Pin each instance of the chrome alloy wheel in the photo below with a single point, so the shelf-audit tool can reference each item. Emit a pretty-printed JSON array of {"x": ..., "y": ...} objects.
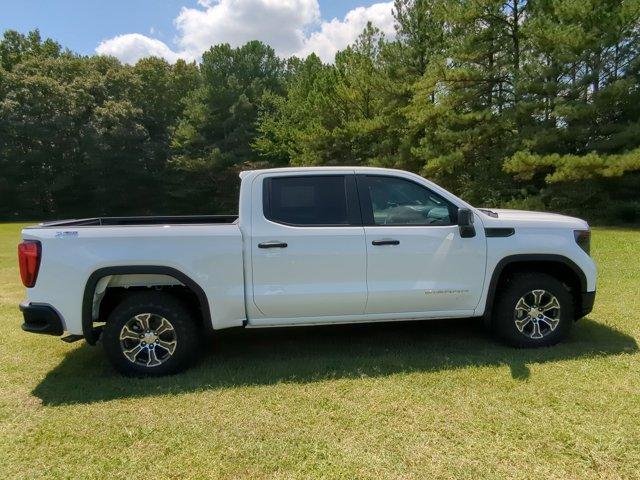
[
  {"x": 537, "y": 314},
  {"x": 148, "y": 340}
]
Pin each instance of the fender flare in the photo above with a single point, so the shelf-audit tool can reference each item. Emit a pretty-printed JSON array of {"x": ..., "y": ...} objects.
[
  {"x": 90, "y": 334},
  {"x": 528, "y": 257}
]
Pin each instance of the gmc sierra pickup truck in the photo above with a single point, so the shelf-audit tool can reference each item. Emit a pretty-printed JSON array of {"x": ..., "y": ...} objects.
[{"x": 310, "y": 246}]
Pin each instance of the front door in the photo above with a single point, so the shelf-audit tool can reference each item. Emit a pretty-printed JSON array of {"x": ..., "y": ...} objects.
[
  {"x": 308, "y": 250},
  {"x": 417, "y": 261}
]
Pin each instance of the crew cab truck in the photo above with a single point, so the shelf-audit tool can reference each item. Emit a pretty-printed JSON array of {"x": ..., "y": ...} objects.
[{"x": 310, "y": 246}]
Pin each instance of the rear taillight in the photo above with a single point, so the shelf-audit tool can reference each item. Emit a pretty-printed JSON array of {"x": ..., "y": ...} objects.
[
  {"x": 29, "y": 253},
  {"x": 583, "y": 239}
]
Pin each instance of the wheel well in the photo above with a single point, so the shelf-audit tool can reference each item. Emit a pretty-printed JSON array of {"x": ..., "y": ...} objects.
[
  {"x": 113, "y": 296},
  {"x": 561, "y": 270},
  {"x": 107, "y": 286}
]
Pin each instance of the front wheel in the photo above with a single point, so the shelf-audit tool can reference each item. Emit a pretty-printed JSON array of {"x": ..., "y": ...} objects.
[
  {"x": 150, "y": 334},
  {"x": 533, "y": 310}
]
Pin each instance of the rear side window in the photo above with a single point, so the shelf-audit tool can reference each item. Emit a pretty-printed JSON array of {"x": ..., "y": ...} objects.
[{"x": 312, "y": 200}]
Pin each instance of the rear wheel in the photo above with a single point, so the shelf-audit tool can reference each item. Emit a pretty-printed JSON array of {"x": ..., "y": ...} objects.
[
  {"x": 533, "y": 310},
  {"x": 150, "y": 334}
]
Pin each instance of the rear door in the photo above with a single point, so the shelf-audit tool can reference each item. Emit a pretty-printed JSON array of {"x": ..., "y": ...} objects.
[
  {"x": 417, "y": 261},
  {"x": 308, "y": 250}
]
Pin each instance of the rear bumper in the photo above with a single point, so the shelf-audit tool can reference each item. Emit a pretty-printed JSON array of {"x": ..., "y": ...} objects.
[
  {"x": 41, "y": 319},
  {"x": 586, "y": 303}
]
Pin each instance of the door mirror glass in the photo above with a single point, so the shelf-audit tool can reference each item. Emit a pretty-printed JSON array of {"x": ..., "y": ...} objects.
[{"x": 465, "y": 222}]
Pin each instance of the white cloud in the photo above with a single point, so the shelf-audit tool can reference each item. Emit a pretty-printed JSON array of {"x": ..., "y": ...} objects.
[
  {"x": 291, "y": 27},
  {"x": 338, "y": 34},
  {"x": 132, "y": 47},
  {"x": 279, "y": 23}
]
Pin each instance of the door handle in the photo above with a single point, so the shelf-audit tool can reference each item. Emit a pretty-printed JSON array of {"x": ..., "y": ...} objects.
[
  {"x": 385, "y": 242},
  {"x": 272, "y": 245}
]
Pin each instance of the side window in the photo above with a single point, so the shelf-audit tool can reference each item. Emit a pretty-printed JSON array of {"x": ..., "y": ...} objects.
[
  {"x": 311, "y": 200},
  {"x": 396, "y": 201}
]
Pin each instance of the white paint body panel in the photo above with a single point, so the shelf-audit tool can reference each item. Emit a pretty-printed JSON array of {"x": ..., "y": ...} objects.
[
  {"x": 321, "y": 273},
  {"x": 325, "y": 275},
  {"x": 536, "y": 233},
  {"x": 292, "y": 282},
  {"x": 433, "y": 269},
  {"x": 211, "y": 255}
]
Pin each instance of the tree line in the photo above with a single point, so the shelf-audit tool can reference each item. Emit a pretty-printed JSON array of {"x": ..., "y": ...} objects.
[{"x": 510, "y": 103}]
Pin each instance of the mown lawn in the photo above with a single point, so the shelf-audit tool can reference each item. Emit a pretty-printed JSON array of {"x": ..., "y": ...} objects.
[{"x": 413, "y": 400}]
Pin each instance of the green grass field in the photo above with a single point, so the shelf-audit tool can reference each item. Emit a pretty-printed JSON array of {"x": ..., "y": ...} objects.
[{"x": 412, "y": 400}]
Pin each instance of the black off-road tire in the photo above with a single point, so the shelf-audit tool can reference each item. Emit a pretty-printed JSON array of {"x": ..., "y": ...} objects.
[
  {"x": 517, "y": 286},
  {"x": 185, "y": 331}
]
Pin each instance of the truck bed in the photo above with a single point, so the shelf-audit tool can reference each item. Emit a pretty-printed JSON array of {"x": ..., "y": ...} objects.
[
  {"x": 142, "y": 220},
  {"x": 206, "y": 250}
]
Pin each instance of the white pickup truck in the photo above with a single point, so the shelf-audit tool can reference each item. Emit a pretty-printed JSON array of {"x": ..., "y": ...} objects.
[{"x": 310, "y": 246}]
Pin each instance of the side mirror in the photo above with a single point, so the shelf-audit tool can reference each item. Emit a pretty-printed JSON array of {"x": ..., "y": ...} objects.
[{"x": 465, "y": 223}]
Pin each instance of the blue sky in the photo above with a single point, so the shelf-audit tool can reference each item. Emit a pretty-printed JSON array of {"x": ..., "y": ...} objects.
[{"x": 129, "y": 29}]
